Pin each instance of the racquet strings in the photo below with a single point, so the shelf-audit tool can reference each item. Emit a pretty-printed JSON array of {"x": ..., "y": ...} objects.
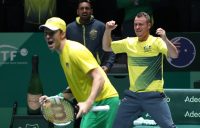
[{"x": 58, "y": 111}]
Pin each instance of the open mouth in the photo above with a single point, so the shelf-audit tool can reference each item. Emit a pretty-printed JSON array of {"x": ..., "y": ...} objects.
[
  {"x": 50, "y": 42},
  {"x": 84, "y": 15}
]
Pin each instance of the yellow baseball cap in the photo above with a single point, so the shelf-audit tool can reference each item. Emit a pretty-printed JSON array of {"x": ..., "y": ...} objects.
[{"x": 54, "y": 24}]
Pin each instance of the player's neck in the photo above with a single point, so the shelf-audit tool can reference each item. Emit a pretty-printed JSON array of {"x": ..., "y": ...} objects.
[
  {"x": 84, "y": 21},
  {"x": 143, "y": 38},
  {"x": 62, "y": 44}
]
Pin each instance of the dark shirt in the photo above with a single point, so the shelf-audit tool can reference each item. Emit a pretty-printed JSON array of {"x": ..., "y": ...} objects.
[{"x": 91, "y": 36}]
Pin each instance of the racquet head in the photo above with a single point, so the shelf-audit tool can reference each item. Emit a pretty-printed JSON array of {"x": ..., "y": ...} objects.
[{"x": 58, "y": 111}]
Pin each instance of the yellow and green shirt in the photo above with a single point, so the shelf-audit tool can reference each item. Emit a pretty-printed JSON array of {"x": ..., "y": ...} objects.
[
  {"x": 145, "y": 62},
  {"x": 77, "y": 61}
]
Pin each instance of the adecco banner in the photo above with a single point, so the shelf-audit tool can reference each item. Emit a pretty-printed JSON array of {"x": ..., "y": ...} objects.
[
  {"x": 184, "y": 105},
  {"x": 16, "y": 50}
]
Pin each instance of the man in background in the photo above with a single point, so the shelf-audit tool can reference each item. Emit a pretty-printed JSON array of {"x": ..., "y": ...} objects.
[{"x": 89, "y": 31}]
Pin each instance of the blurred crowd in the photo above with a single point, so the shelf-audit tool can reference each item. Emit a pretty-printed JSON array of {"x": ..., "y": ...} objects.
[{"x": 27, "y": 15}]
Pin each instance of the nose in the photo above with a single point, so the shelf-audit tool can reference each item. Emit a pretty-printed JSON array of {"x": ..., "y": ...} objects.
[
  {"x": 84, "y": 10},
  {"x": 136, "y": 26},
  {"x": 47, "y": 37}
]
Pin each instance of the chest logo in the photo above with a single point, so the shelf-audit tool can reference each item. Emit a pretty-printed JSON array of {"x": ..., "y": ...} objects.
[
  {"x": 147, "y": 48},
  {"x": 67, "y": 65},
  {"x": 93, "y": 34}
]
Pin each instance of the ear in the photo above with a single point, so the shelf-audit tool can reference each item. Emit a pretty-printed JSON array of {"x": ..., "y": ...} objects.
[
  {"x": 149, "y": 25},
  {"x": 63, "y": 35},
  {"x": 91, "y": 11},
  {"x": 77, "y": 12}
]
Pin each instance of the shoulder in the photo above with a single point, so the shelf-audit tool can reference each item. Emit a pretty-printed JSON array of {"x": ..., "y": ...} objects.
[
  {"x": 126, "y": 41},
  {"x": 72, "y": 24},
  {"x": 77, "y": 50},
  {"x": 98, "y": 22},
  {"x": 155, "y": 39},
  {"x": 74, "y": 45},
  {"x": 131, "y": 40}
]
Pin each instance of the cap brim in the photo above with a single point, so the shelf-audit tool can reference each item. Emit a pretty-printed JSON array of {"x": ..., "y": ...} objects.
[{"x": 53, "y": 28}]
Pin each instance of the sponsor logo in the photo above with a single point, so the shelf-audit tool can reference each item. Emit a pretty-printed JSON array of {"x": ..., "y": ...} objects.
[
  {"x": 9, "y": 53},
  {"x": 31, "y": 126},
  {"x": 147, "y": 115},
  {"x": 192, "y": 114},
  {"x": 67, "y": 65},
  {"x": 192, "y": 99},
  {"x": 168, "y": 99},
  {"x": 147, "y": 48},
  {"x": 93, "y": 34}
]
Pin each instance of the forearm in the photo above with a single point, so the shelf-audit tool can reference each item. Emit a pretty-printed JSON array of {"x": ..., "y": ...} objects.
[
  {"x": 107, "y": 41},
  {"x": 97, "y": 86},
  {"x": 108, "y": 59},
  {"x": 172, "y": 50}
]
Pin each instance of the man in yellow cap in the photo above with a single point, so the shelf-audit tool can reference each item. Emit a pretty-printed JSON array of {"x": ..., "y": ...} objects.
[{"x": 87, "y": 80}]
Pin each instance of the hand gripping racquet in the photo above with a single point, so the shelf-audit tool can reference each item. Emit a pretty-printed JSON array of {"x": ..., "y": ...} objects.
[{"x": 62, "y": 112}]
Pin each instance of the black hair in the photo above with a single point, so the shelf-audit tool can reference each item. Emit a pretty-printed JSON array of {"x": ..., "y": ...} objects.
[{"x": 87, "y": 1}]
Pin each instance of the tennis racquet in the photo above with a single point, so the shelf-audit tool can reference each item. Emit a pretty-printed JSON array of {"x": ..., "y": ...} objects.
[{"x": 62, "y": 112}]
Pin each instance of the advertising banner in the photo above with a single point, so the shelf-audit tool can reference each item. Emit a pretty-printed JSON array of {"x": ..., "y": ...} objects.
[
  {"x": 16, "y": 50},
  {"x": 184, "y": 105}
]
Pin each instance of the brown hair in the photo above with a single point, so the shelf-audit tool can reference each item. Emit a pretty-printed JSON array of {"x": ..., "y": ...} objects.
[{"x": 144, "y": 14}]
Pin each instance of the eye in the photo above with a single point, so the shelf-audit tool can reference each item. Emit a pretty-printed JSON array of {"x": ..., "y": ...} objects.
[{"x": 50, "y": 33}]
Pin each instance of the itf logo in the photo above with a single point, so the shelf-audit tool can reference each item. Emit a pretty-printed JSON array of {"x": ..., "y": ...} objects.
[
  {"x": 8, "y": 53},
  {"x": 32, "y": 126},
  {"x": 187, "y": 52}
]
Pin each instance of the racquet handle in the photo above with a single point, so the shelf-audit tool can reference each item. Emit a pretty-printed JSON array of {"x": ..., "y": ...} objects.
[{"x": 100, "y": 108}]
